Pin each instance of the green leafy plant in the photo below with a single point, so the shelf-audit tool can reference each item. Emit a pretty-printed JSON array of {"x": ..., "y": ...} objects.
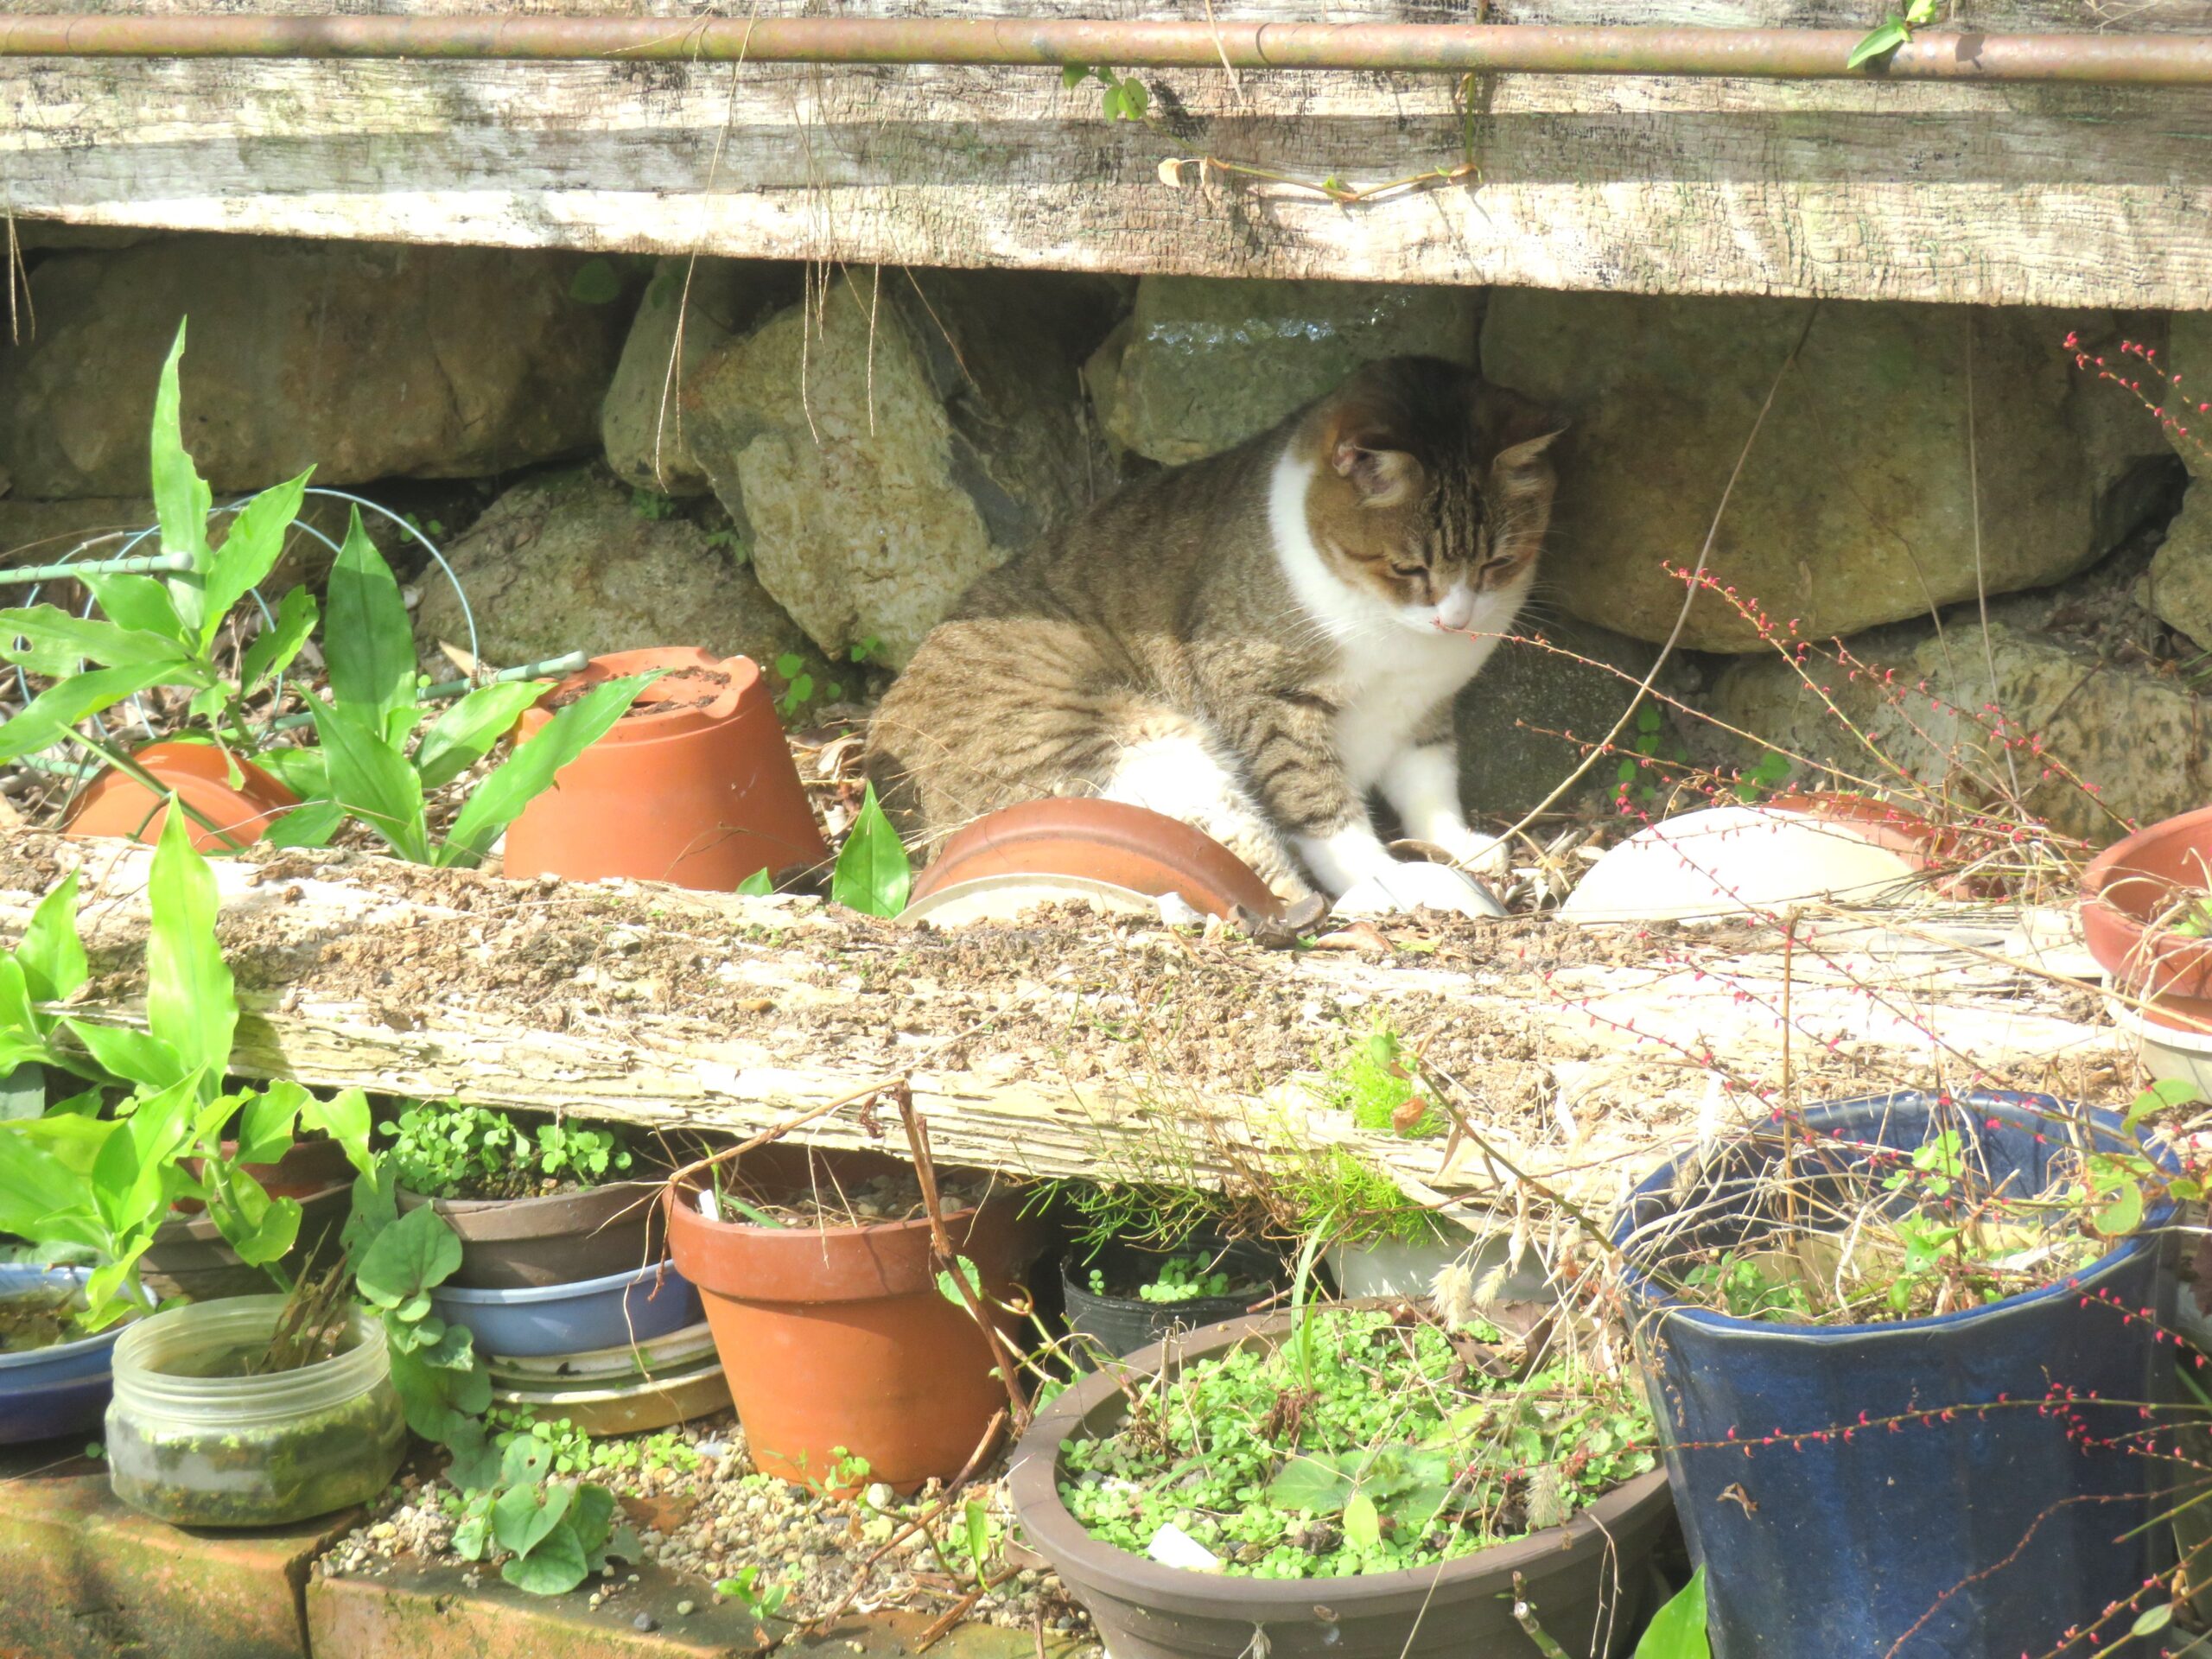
[
  {"x": 573, "y": 1451},
  {"x": 764, "y": 1599},
  {"x": 1396, "y": 1455},
  {"x": 1767, "y": 776},
  {"x": 364, "y": 768},
  {"x": 555, "y": 1533},
  {"x": 872, "y": 874},
  {"x": 652, "y": 505},
  {"x": 1653, "y": 743},
  {"x": 866, "y": 651},
  {"x": 445, "y": 1150},
  {"x": 1121, "y": 98},
  {"x": 1180, "y": 1279},
  {"x": 1935, "y": 1234},
  {"x": 399, "y": 1260},
  {"x": 1892, "y": 32},
  {"x": 1152, "y": 1215},
  {"x": 1745, "y": 1289},
  {"x": 163, "y": 630},
  {"x": 1317, "y": 1181},
  {"x": 1370, "y": 1079},
  {"x": 1677, "y": 1632},
  {"x": 799, "y": 684},
  {"x": 74, "y": 1178}
]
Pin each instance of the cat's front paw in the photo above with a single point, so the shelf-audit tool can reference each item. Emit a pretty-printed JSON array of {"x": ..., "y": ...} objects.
[{"x": 1406, "y": 888}]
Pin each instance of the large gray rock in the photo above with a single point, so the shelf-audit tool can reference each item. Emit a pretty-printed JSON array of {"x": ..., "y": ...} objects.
[
  {"x": 566, "y": 562},
  {"x": 1208, "y": 362},
  {"x": 883, "y": 453},
  {"x": 1525, "y": 721},
  {"x": 2179, "y": 586},
  {"x": 2135, "y": 735},
  {"x": 1855, "y": 507},
  {"x": 364, "y": 360},
  {"x": 716, "y": 301}
]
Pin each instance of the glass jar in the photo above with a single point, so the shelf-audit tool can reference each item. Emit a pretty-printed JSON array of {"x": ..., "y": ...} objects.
[{"x": 192, "y": 1441}]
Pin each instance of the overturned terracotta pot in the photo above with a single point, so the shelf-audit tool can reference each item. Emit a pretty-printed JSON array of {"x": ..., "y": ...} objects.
[
  {"x": 1102, "y": 841},
  {"x": 695, "y": 786},
  {"x": 199, "y": 775}
]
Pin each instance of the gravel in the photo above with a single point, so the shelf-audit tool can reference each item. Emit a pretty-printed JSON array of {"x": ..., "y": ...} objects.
[{"x": 701, "y": 1510}]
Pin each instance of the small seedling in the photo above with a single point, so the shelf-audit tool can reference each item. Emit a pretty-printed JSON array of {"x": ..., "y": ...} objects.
[
  {"x": 799, "y": 684},
  {"x": 764, "y": 1601},
  {"x": 1123, "y": 97},
  {"x": 1892, "y": 32}
]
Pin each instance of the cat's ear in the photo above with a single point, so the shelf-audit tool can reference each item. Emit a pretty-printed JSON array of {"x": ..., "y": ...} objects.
[
  {"x": 1384, "y": 478},
  {"x": 1522, "y": 428}
]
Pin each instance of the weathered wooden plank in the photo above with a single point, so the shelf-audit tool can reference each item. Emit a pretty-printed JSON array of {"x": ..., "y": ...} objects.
[
  {"x": 1088, "y": 1049},
  {"x": 2030, "y": 195}
]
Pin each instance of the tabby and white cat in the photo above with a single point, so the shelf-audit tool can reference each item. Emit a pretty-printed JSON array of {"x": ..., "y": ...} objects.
[{"x": 1252, "y": 642}]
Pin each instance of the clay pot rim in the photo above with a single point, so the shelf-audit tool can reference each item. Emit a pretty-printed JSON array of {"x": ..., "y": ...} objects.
[
  {"x": 1212, "y": 878},
  {"x": 840, "y": 1232},
  {"x": 634, "y": 728},
  {"x": 2114, "y": 865},
  {"x": 1033, "y": 1482},
  {"x": 533, "y": 1216}
]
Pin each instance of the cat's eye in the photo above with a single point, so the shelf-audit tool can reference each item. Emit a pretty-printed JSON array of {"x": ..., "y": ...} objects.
[{"x": 1407, "y": 570}]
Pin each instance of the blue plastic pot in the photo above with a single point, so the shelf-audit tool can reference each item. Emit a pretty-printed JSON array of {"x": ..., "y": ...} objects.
[
  {"x": 59, "y": 1390},
  {"x": 616, "y": 1311},
  {"x": 1991, "y": 1535}
]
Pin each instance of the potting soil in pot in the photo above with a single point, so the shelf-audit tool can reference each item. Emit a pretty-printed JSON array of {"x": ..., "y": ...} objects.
[
  {"x": 1388, "y": 1446},
  {"x": 895, "y": 1195}
]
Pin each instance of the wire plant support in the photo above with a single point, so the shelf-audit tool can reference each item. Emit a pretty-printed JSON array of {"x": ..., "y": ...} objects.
[{"x": 126, "y": 562}]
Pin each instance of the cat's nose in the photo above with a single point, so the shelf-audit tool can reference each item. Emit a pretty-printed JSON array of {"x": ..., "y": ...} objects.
[{"x": 1457, "y": 608}]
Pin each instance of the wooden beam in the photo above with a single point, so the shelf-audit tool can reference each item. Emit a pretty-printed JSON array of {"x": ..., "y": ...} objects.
[
  {"x": 2045, "y": 196},
  {"x": 1107, "y": 1050}
]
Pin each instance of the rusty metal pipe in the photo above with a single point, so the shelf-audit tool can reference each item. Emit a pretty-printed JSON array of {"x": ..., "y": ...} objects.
[{"x": 1446, "y": 48}]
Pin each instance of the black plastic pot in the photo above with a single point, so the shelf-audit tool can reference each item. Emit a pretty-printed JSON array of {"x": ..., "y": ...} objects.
[
  {"x": 1587, "y": 1581},
  {"x": 1985, "y": 1534},
  {"x": 559, "y": 1239},
  {"x": 189, "y": 1259},
  {"x": 1122, "y": 1324}
]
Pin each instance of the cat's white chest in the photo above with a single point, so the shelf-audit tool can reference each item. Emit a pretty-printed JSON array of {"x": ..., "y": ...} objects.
[
  {"x": 1391, "y": 687},
  {"x": 1389, "y": 676}
]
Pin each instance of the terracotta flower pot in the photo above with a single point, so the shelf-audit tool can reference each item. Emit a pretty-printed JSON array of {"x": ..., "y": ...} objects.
[
  {"x": 1104, "y": 840},
  {"x": 695, "y": 786},
  {"x": 188, "y": 1257},
  {"x": 306, "y": 1167},
  {"x": 2132, "y": 888},
  {"x": 199, "y": 776},
  {"x": 837, "y": 1337}
]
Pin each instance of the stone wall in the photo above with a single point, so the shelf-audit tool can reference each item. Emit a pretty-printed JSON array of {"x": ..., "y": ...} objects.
[{"x": 801, "y": 465}]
